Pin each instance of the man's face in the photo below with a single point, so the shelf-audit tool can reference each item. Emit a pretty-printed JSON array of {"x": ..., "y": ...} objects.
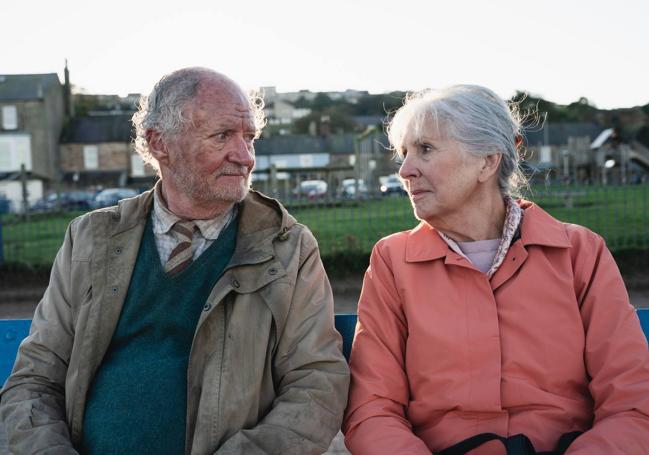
[{"x": 212, "y": 158}]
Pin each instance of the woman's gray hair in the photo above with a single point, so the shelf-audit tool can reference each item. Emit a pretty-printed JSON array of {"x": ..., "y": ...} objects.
[
  {"x": 472, "y": 115},
  {"x": 164, "y": 109}
]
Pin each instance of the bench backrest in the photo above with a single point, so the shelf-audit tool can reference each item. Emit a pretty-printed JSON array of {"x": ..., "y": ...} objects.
[{"x": 13, "y": 331}]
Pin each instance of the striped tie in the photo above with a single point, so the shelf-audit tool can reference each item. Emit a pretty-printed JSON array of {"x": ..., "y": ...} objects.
[{"x": 181, "y": 256}]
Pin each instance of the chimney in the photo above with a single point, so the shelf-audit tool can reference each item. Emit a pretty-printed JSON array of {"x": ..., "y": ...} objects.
[{"x": 67, "y": 92}]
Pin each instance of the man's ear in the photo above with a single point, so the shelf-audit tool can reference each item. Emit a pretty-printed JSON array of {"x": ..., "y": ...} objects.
[
  {"x": 157, "y": 146},
  {"x": 490, "y": 166}
]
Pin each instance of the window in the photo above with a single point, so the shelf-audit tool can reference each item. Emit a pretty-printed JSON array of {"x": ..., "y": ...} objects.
[
  {"x": 306, "y": 160},
  {"x": 15, "y": 149},
  {"x": 9, "y": 117},
  {"x": 90, "y": 157},
  {"x": 546, "y": 154},
  {"x": 137, "y": 166}
]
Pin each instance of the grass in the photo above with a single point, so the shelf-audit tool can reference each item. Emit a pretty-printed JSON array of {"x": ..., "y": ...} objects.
[
  {"x": 356, "y": 226},
  {"x": 619, "y": 214},
  {"x": 348, "y": 230},
  {"x": 35, "y": 241}
]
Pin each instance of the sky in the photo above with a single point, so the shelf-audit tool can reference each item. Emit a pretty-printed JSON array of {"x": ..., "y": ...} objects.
[{"x": 560, "y": 50}]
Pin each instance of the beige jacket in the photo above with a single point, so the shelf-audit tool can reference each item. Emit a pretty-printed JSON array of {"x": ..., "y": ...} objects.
[{"x": 266, "y": 373}]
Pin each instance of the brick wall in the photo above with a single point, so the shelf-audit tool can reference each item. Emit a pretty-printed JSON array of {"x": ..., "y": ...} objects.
[{"x": 113, "y": 156}]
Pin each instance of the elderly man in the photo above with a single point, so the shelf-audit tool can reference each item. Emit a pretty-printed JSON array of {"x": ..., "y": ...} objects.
[{"x": 196, "y": 318}]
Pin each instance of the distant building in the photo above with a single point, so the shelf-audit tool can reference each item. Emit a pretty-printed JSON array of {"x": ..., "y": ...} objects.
[
  {"x": 288, "y": 160},
  {"x": 561, "y": 150},
  {"x": 98, "y": 150},
  {"x": 280, "y": 112},
  {"x": 585, "y": 153},
  {"x": 32, "y": 113},
  {"x": 618, "y": 161}
]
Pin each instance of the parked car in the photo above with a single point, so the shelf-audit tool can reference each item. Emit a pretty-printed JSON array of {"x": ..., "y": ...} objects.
[
  {"x": 311, "y": 189},
  {"x": 347, "y": 189},
  {"x": 111, "y": 196},
  {"x": 391, "y": 185},
  {"x": 67, "y": 200}
]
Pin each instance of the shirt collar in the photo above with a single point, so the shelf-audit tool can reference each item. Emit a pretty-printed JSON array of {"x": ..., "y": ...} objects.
[
  {"x": 513, "y": 215},
  {"x": 421, "y": 246},
  {"x": 164, "y": 219}
]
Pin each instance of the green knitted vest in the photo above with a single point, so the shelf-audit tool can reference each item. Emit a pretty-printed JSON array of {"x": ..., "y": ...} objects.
[{"x": 137, "y": 402}]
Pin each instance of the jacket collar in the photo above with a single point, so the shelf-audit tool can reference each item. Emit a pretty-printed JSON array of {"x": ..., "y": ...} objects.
[
  {"x": 425, "y": 244},
  {"x": 537, "y": 228},
  {"x": 261, "y": 220}
]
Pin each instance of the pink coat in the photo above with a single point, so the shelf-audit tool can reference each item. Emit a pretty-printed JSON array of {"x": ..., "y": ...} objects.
[{"x": 549, "y": 345}]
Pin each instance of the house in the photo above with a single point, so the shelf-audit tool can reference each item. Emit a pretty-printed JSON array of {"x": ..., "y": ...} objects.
[
  {"x": 284, "y": 161},
  {"x": 32, "y": 113},
  {"x": 586, "y": 153},
  {"x": 562, "y": 149},
  {"x": 97, "y": 151},
  {"x": 279, "y": 112},
  {"x": 619, "y": 161}
]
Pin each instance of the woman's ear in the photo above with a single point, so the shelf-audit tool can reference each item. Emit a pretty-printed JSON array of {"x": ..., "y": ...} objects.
[
  {"x": 157, "y": 146},
  {"x": 490, "y": 166}
]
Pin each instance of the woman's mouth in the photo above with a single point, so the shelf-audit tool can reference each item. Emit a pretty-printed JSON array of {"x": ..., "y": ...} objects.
[{"x": 417, "y": 194}]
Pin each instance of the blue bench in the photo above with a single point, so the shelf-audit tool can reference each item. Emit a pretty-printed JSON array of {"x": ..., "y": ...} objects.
[{"x": 12, "y": 332}]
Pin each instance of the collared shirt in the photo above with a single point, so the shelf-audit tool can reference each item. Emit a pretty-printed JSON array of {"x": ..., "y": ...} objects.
[
  {"x": 513, "y": 216},
  {"x": 164, "y": 219}
]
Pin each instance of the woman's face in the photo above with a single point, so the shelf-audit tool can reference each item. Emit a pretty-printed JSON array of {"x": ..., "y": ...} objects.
[{"x": 438, "y": 174}]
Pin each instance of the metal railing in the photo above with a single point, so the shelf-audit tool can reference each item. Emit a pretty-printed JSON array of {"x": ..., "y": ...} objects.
[{"x": 344, "y": 225}]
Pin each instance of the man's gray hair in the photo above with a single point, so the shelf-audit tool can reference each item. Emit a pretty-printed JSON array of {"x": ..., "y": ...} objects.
[
  {"x": 164, "y": 109},
  {"x": 472, "y": 115}
]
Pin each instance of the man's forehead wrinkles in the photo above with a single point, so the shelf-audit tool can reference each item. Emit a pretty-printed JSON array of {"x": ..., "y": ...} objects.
[
  {"x": 206, "y": 115},
  {"x": 226, "y": 122}
]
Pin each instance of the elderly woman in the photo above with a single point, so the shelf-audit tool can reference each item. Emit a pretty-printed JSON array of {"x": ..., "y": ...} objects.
[{"x": 491, "y": 324}]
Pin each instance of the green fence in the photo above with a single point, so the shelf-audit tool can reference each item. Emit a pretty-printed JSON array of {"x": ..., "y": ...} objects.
[{"x": 619, "y": 213}]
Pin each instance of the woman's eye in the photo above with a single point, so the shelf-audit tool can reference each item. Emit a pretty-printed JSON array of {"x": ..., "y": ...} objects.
[{"x": 426, "y": 148}]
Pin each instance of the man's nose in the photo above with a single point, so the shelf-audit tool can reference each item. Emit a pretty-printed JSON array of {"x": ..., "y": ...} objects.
[{"x": 242, "y": 152}]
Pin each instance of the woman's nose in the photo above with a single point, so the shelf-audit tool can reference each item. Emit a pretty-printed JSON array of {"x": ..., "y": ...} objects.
[{"x": 408, "y": 169}]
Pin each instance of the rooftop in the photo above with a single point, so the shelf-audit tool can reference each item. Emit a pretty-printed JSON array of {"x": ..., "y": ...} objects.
[{"x": 24, "y": 87}]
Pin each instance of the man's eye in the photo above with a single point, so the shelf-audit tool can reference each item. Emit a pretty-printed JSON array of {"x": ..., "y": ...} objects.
[{"x": 221, "y": 136}]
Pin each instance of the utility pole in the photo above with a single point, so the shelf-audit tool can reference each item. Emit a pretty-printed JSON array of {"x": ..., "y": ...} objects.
[
  {"x": 25, "y": 193},
  {"x": 272, "y": 177}
]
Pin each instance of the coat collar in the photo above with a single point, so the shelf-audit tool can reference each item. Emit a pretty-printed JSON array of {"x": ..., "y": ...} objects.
[
  {"x": 537, "y": 228},
  {"x": 261, "y": 220}
]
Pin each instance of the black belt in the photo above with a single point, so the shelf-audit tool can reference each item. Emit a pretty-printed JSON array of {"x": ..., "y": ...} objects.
[{"x": 519, "y": 444}]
